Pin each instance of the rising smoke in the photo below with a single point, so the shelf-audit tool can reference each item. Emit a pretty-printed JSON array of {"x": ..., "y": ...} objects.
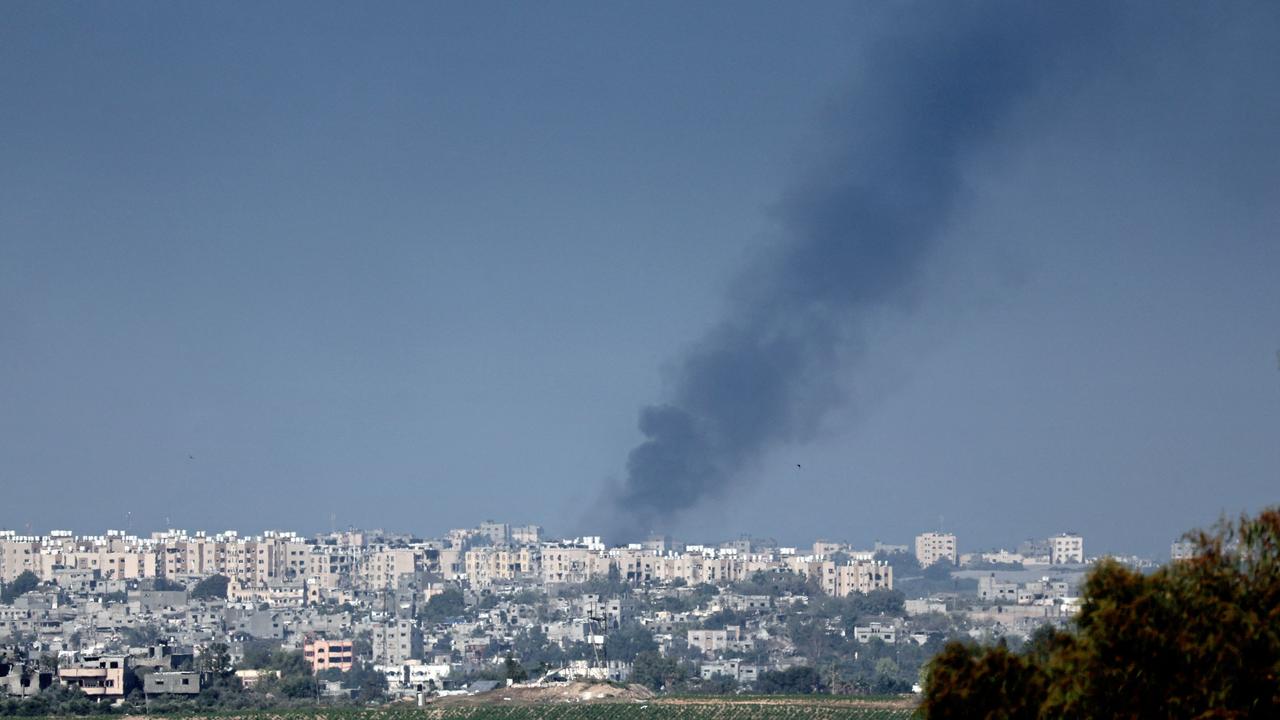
[{"x": 857, "y": 228}]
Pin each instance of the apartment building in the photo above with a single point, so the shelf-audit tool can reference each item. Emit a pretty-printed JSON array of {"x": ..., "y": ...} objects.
[
  {"x": 19, "y": 554},
  {"x": 526, "y": 534},
  {"x": 396, "y": 643},
  {"x": 487, "y": 565},
  {"x": 932, "y": 547},
  {"x": 567, "y": 563},
  {"x": 497, "y": 533},
  {"x": 383, "y": 568},
  {"x": 1066, "y": 548},
  {"x": 327, "y": 654},
  {"x": 841, "y": 580}
]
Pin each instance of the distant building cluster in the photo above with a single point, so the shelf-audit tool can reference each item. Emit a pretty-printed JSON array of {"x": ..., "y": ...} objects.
[
  {"x": 285, "y": 569},
  {"x": 121, "y": 611}
]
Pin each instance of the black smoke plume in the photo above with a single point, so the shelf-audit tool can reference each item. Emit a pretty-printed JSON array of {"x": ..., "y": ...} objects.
[{"x": 856, "y": 229}]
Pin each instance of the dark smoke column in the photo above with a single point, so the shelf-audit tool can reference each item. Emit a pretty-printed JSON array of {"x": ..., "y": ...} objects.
[{"x": 856, "y": 231}]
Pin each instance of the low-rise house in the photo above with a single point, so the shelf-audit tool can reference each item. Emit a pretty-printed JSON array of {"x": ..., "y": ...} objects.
[
  {"x": 730, "y": 639},
  {"x": 924, "y": 606},
  {"x": 611, "y": 671},
  {"x": 176, "y": 682},
  {"x": 883, "y": 631},
  {"x": 743, "y": 603},
  {"x": 159, "y": 658},
  {"x": 736, "y": 669},
  {"x": 415, "y": 676},
  {"x": 991, "y": 589},
  {"x": 251, "y": 677},
  {"x": 155, "y": 600}
]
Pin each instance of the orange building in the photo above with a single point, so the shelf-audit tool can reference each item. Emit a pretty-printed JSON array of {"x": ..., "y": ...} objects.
[{"x": 326, "y": 654}]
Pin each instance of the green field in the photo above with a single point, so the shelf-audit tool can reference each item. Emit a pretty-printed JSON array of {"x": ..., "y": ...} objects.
[{"x": 701, "y": 709}]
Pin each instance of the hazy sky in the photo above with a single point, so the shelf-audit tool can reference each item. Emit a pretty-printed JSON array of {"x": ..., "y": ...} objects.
[{"x": 418, "y": 265}]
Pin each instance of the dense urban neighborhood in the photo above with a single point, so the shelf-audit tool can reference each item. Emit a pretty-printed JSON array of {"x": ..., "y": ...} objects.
[{"x": 356, "y": 616}]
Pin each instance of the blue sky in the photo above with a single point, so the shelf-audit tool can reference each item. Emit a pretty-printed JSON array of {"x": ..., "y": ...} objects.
[{"x": 418, "y": 265}]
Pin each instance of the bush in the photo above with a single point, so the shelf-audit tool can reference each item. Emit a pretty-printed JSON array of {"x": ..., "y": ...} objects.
[{"x": 801, "y": 680}]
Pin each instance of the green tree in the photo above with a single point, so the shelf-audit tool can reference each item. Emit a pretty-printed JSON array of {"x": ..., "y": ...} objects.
[
  {"x": 656, "y": 672},
  {"x": 716, "y": 685},
  {"x": 877, "y": 602},
  {"x": 216, "y": 660},
  {"x": 21, "y": 585},
  {"x": 1197, "y": 638},
  {"x": 513, "y": 670},
  {"x": 718, "y": 620},
  {"x": 214, "y": 586},
  {"x": 443, "y": 606},
  {"x": 802, "y": 680},
  {"x": 628, "y": 641},
  {"x": 161, "y": 583}
]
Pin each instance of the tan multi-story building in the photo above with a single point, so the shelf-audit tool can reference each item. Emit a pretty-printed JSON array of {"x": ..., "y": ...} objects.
[
  {"x": 637, "y": 565},
  {"x": 396, "y": 643},
  {"x": 97, "y": 676},
  {"x": 111, "y": 562},
  {"x": 1066, "y": 548},
  {"x": 861, "y": 576},
  {"x": 497, "y": 533},
  {"x": 383, "y": 568},
  {"x": 526, "y": 534},
  {"x": 276, "y": 593},
  {"x": 567, "y": 564},
  {"x": 331, "y": 565},
  {"x": 487, "y": 565},
  {"x": 695, "y": 568},
  {"x": 825, "y": 548},
  {"x": 932, "y": 547},
  {"x": 19, "y": 554}
]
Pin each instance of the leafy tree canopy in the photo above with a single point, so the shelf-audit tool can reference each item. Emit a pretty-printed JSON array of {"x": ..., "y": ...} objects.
[
  {"x": 214, "y": 586},
  {"x": 801, "y": 680},
  {"x": 447, "y": 604},
  {"x": 21, "y": 585},
  {"x": 1197, "y": 638},
  {"x": 629, "y": 641}
]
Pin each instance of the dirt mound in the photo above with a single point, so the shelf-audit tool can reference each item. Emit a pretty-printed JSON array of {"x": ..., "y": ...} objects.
[{"x": 572, "y": 692}]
